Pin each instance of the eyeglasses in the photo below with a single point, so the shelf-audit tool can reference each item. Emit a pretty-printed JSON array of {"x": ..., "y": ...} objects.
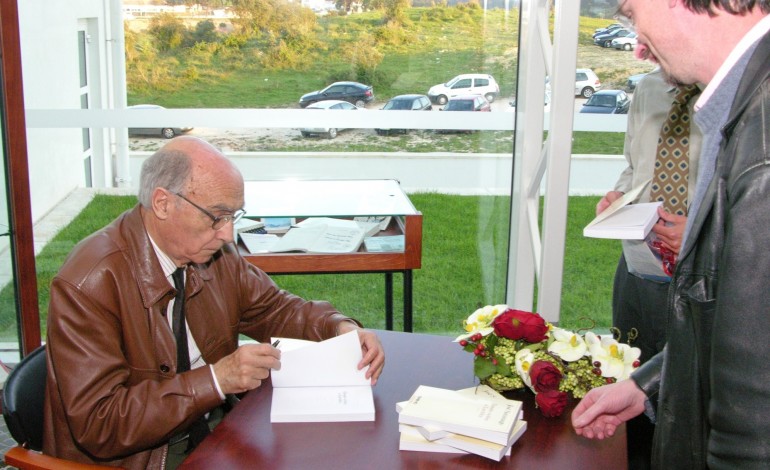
[
  {"x": 624, "y": 20},
  {"x": 217, "y": 222}
]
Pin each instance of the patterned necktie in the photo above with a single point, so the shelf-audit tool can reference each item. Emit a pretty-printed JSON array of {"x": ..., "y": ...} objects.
[
  {"x": 199, "y": 429},
  {"x": 669, "y": 182}
]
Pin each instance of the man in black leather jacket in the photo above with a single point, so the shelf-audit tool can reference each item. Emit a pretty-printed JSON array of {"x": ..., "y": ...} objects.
[{"x": 709, "y": 390}]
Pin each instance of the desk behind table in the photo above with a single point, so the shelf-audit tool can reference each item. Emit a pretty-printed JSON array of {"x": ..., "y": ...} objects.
[{"x": 247, "y": 439}]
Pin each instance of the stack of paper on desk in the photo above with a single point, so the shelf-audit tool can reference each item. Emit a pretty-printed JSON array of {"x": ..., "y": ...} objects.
[
  {"x": 476, "y": 420},
  {"x": 320, "y": 382}
]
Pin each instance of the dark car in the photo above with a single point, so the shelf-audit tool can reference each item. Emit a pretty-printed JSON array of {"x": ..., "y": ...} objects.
[
  {"x": 633, "y": 80},
  {"x": 165, "y": 132},
  {"x": 352, "y": 92},
  {"x": 467, "y": 103},
  {"x": 606, "y": 30},
  {"x": 605, "y": 40},
  {"x": 405, "y": 103},
  {"x": 607, "y": 102}
]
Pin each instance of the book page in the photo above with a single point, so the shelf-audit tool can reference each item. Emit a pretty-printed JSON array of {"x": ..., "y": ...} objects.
[
  {"x": 321, "y": 404},
  {"x": 259, "y": 242},
  {"x": 320, "y": 238},
  {"x": 333, "y": 362},
  {"x": 624, "y": 200}
]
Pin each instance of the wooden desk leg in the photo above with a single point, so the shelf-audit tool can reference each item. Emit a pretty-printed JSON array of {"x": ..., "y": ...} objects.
[
  {"x": 389, "y": 301},
  {"x": 408, "y": 300}
]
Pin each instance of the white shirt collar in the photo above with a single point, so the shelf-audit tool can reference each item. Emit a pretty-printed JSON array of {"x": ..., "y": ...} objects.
[{"x": 754, "y": 35}]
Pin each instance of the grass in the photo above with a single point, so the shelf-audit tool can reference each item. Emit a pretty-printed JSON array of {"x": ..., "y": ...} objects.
[{"x": 463, "y": 266}]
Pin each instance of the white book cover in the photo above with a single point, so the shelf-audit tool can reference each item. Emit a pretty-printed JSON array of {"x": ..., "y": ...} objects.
[
  {"x": 432, "y": 432},
  {"x": 631, "y": 222},
  {"x": 320, "y": 382},
  {"x": 489, "y": 419},
  {"x": 410, "y": 439},
  {"x": 484, "y": 448}
]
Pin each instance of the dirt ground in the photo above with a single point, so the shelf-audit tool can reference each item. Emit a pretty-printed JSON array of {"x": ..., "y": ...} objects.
[{"x": 613, "y": 67}]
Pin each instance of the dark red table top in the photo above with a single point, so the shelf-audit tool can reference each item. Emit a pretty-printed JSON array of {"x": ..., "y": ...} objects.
[{"x": 247, "y": 439}]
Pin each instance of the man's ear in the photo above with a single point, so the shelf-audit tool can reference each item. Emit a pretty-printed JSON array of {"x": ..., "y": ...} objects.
[{"x": 161, "y": 203}]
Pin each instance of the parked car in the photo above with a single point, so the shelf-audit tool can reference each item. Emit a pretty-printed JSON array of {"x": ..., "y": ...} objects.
[
  {"x": 466, "y": 84},
  {"x": 586, "y": 84},
  {"x": 352, "y": 92},
  {"x": 607, "y": 102},
  {"x": 467, "y": 103},
  {"x": 633, "y": 80},
  {"x": 329, "y": 132},
  {"x": 627, "y": 43},
  {"x": 607, "y": 29},
  {"x": 405, "y": 103},
  {"x": 605, "y": 40},
  {"x": 165, "y": 132}
]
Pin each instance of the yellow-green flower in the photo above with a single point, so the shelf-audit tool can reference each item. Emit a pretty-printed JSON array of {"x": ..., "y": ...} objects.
[
  {"x": 615, "y": 359},
  {"x": 567, "y": 345},
  {"x": 480, "y": 321}
]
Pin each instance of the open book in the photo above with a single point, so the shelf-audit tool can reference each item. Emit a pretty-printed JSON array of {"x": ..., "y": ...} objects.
[
  {"x": 623, "y": 220},
  {"x": 320, "y": 382},
  {"x": 316, "y": 238}
]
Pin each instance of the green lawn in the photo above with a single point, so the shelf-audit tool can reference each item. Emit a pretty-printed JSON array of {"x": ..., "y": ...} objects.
[{"x": 463, "y": 266}]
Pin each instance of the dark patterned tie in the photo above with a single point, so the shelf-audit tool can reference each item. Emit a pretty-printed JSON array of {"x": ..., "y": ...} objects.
[
  {"x": 199, "y": 429},
  {"x": 669, "y": 182}
]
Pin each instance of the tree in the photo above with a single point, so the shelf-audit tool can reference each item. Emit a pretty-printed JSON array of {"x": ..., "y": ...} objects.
[{"x": 168, "y": 30}]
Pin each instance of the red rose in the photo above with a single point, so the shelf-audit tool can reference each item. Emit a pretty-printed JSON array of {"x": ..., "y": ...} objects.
[
  {"x": 517, "y": 324},
  {"x": 551, "y": 403},
  {"x": 544, "y": 376}
]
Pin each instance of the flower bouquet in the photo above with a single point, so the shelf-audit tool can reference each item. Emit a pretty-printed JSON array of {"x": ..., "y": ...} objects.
[{"x": 514, "y": 349}]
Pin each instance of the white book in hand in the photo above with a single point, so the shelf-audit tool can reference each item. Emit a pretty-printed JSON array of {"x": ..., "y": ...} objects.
[
  {"x": 629, "y": 222},
  {"x": 488, "y": 419},
  {"x": 320, "y": 382},
  {"x": 320, "y": 238}
]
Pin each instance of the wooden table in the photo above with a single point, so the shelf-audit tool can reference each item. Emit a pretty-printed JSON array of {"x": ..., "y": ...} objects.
[
  {"x": 246, "y": 439},
  {"x": 342, "y": 198}
]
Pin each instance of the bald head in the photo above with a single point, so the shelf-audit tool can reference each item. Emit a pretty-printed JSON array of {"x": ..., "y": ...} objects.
[{"x": 183, "y": 164}]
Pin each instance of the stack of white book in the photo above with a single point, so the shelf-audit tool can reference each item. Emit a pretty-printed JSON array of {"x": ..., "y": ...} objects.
[{"x": 476, "y": 420}]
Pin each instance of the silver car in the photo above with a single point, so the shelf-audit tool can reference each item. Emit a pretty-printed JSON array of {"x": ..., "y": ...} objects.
[
  {"x": 165, "y": 132},
  {"x": 329, "y": 132}
]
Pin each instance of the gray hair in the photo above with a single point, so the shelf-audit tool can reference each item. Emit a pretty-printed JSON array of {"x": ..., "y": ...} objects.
[
  {"x": 734, "y": 7},
  {"x": 169, "y": 169}
]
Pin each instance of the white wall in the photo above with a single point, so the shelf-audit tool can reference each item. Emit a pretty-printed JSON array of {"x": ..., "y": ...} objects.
[{"x": 50, "y": 67}]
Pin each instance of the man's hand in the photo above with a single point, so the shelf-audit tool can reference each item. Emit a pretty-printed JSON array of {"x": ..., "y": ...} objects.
[
  {"x": 670, "y": 230},
  {"x": 608, "y": 199},
  {"x": 603, "y": 409},
  {"x": 373, "y": 354},
  {"x": 247, "y": 367}
]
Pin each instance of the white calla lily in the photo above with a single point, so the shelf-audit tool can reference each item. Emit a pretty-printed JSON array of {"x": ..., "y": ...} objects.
[
  {"x": 480, "y": 321},
  {"x": 567, "y": 345},
  {"x": 615, "y": 359},
  {"x": 523, "y": 361}
]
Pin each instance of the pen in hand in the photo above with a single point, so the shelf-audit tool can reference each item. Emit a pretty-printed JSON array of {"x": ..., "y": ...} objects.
[{"x": 275, "y": 343}]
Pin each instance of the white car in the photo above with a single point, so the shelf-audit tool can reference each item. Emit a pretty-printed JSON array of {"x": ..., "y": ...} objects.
[
  {"x": 165, "y": 132},
  {"x": 330, "y": 132},
  {"x": 466, "y": 84},
  {"x": 627, "y": 43},
  {"x": 586, "y": 84}
]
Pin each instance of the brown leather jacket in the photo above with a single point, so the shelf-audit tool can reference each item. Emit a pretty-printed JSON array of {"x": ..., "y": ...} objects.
[{"x": 113, "y": 395}]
